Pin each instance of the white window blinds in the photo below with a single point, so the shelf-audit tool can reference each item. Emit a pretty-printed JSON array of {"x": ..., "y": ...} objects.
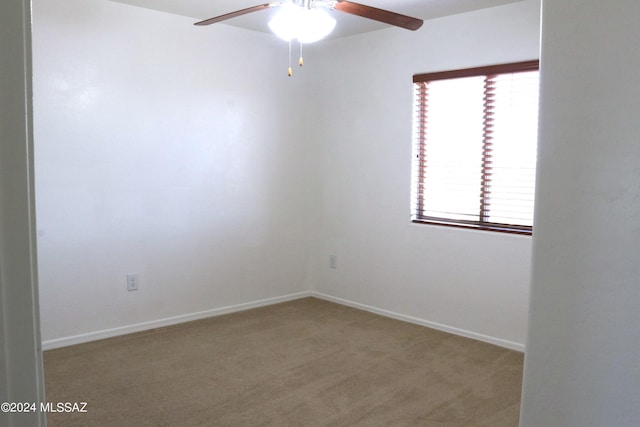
[{"x": 475, "y": 140}]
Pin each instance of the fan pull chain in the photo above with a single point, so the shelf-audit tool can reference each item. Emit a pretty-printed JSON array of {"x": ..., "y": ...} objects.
[
  {"x": 301, "y": 61},
  {"x": 290, "y": 71}
]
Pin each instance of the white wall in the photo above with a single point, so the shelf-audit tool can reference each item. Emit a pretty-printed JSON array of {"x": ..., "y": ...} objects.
[
  {"x": 21, "y": 378},
  {"x": 582, "y": 366},
  {"x": 473, "y": 281},
  {"x": 167, "y": 150}
]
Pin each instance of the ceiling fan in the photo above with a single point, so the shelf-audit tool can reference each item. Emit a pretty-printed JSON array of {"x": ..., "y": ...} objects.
[{"x": 307, "y": 21}]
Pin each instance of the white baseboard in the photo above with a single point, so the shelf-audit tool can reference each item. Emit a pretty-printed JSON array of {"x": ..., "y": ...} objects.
[
  {"x": 144, "y": 326},
  {"x": 433, "y": 325}
]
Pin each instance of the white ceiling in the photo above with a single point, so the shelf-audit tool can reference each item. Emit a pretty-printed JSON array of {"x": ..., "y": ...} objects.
[{"x": 347, "y": 25}]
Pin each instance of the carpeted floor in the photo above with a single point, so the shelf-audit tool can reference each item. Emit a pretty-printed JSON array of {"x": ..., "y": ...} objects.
[{"x": 303, "y": 363}]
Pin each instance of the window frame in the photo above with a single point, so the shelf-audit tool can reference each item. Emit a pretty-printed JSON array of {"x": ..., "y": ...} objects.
[{"x": 419, "y": 144}]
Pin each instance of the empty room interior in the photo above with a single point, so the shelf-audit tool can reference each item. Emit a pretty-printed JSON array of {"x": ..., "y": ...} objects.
[{"x": 183, "y": 161}]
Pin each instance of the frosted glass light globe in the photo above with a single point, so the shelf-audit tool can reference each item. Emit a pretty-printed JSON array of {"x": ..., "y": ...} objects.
[
  {"x": 306, "y": 25},
  {"x": 315, "y": 24},
  {"x": 285, "y": 23}
]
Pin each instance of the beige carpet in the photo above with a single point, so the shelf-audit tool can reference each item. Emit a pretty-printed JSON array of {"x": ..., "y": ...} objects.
[{"x": 302, "y": 363}]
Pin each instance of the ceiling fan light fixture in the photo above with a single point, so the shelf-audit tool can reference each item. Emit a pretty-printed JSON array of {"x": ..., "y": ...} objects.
[
  {"x": 315, "y": 24},
  {"x": 308, "y": 25},
  {"x": 306, "y": 21},
  {"x": 285, "y": 22}
]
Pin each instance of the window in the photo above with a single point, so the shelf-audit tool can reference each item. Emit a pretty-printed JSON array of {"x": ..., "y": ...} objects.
[{"x": 475, "y": 141}]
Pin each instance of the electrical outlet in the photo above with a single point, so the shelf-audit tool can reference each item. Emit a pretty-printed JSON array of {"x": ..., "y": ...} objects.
[
  {"x": 333, "y": 261},
  {"x": 132, "y": 282}
]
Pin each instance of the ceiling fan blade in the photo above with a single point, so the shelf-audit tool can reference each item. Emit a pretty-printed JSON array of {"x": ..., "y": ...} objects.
[
  {"x": 237, "y": 13},
  {"x": 381, "y": 15}
]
